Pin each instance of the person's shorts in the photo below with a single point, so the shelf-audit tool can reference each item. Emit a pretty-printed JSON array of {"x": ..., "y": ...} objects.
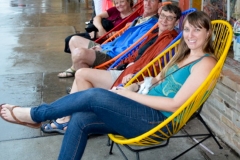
[
  {"x": 115, "y": 74},
  {"x": 101, "y": 57},
  {"x": 92, "y": 44}
]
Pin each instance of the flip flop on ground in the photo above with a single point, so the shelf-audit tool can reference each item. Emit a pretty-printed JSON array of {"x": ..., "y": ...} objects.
[
  {"x": 70, "y": 72},
  {"x": 36, "y": 125},
  {"x": 47, "y": 128}
]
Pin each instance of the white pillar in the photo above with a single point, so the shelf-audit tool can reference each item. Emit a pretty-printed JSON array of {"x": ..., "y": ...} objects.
[
  {"x": 228, "y": 10},
  {"x": 98, "y": 6}
]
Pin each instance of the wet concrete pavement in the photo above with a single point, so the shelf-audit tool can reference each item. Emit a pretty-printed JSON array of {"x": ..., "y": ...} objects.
[{"x": 32, "y": 38}]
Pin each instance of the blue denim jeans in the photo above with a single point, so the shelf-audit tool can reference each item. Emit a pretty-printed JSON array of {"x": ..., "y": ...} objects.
[{"x": 97, "y": 111}]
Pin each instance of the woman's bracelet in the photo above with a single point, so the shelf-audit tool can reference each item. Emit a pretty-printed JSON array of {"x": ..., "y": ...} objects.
[{"x": 138, "y": 85}]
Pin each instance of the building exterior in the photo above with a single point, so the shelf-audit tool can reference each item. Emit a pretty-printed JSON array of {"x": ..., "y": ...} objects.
[{"x": 222, "y": 109}]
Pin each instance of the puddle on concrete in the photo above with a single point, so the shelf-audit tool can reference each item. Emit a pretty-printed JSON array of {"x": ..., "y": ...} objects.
[{"x": 18, "y": 3}]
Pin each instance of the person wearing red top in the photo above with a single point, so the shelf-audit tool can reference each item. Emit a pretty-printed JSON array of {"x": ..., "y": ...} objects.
[{"x": 122, "y": 9}]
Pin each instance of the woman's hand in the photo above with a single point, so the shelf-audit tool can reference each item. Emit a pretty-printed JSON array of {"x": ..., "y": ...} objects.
[
  {"x": 133, "y": 87},
  {"x": 97, "y": 21},
  {"x": 92, "y": 35},
  {"x": 111, "y": 34},
  {"x": 127, "y": 78},
  {"x": 121, "y": 91},
  {"x": 101, "y": 32}
]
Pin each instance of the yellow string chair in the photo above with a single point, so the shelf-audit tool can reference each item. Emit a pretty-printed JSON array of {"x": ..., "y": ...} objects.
[{"x": 155, "y": 137}]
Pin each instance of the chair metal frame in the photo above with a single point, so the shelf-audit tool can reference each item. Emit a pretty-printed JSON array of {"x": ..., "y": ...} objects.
[{"x": 223, "y": 33}]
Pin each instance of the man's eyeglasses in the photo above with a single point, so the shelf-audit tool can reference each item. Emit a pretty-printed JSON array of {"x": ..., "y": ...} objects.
[{"x": 169, "y": 18}]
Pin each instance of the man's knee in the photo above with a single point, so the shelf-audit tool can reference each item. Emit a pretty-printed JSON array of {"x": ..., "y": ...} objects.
[
  {"x": 72, "y": 39},
  {"x": 78, "y": 54}
]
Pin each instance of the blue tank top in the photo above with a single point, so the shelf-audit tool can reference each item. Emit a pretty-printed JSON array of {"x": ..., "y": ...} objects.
[{"x": 172, "y": 83}]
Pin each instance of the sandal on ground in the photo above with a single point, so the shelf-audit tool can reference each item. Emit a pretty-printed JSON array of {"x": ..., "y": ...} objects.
[
  {"x": 68, "y": 90},
  {"x": 32, "y": 125},
  {"x": 47, "y": 128},
  {"x": 70, "y": 72}
]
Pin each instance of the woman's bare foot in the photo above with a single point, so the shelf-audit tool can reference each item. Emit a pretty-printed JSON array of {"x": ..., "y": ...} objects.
[{"x": 18, "y": 115}]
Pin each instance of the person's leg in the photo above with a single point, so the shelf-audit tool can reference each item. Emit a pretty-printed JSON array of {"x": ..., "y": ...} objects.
[
  {"x": 75, "y": 43},
  {"x": 83, "y": 58},
  {"x": 91, "y": 78},
  {"x": 114, "y": 110},
  {"x": 21, "y": 114},
  {"x": 66, "y": 48},
  {"x": 81, "y": 125},
  {"x": 67, "y": 40},
  {"x": 78, "y": 42},
  {"x": 85, "y": 78}
]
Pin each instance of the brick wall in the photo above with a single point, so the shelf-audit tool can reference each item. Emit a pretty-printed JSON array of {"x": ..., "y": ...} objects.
[{"x": 222, "y": 109}]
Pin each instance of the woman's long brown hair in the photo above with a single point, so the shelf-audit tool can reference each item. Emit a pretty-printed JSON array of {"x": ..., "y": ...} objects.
[{"x": 198, "y": 19}]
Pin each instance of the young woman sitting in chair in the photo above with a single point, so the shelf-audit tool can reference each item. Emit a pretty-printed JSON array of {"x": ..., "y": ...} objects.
[{"x": 100, "y": 111}]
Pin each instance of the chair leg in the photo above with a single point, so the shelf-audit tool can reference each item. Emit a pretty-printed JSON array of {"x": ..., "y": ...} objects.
[
  {"x": 110, "y": 152},
  {"x": 209, "y": 130},
  {"x": 108, "y": 142},
  {"x": 122, "y": 152},
  {"x": 137, "y": 155},
  {"x": 208, "y": 135},
  {"x": 191, "y": 147}
]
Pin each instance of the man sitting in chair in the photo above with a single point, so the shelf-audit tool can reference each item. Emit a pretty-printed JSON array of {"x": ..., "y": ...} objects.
[
  {"x": 86, "y": 53},
  {"x": 89, "y": 78}
]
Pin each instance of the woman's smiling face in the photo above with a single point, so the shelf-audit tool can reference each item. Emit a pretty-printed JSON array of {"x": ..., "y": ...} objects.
[
  {"x": 195, "y": 37},
  {"x": 122, "y": 5}
]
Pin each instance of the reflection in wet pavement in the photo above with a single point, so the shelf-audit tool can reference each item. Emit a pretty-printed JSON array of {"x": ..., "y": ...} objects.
[
  {"x": 32, "y": 40},
  {"x": 18, "y": 3}
]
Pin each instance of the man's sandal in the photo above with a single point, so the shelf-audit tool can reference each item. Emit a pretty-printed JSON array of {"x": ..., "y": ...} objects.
[{"x": 70, "y": 72}]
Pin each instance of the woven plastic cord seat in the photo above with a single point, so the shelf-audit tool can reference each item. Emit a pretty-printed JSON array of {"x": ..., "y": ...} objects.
[{"x": 155, "y": 137}]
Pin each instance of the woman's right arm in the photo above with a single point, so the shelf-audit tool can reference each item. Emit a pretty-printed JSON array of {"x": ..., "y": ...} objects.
[
  {"x": 97, "y": 21},
  {"x": 130, "y": 76}
]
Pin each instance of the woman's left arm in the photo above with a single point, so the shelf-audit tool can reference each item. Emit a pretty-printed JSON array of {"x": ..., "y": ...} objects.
[
  {"x": 97, "y": 21},
  {"x": 198, "y": 74}
]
